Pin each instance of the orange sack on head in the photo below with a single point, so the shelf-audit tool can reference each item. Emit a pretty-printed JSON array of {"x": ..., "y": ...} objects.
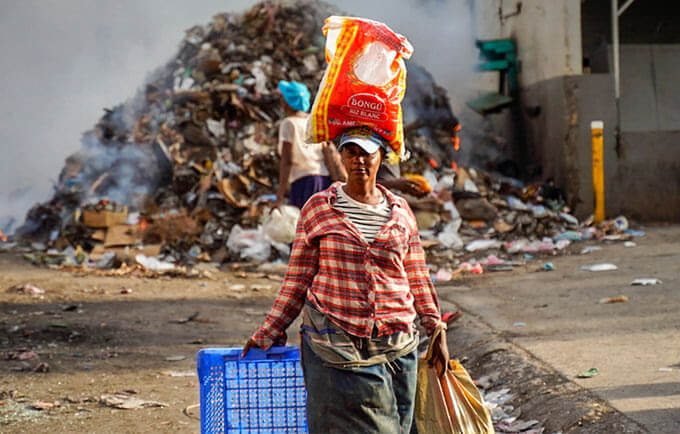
[{"x": 364, "y": 82}]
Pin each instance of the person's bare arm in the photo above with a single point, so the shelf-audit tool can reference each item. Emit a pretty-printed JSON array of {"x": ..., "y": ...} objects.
[{"x": 284, "y": 172}]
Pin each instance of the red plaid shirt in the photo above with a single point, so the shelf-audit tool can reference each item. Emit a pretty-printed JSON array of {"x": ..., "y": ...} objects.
[{"x": 358, "y": 286}]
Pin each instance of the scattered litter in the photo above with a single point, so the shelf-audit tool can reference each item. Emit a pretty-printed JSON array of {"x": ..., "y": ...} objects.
[
  {"x": 126, "y": 291},
  {"x": 478, "y": 245},
  {"x": 500, "y": 267},
  {"x": 22, "y": 355},
  {"x": 466, "y": 267},
  {"x": 499, "y": 397},
  {"x": 190, "y": 318},
  {"x": 617, "y": 299},
  {"x": 665, "y": 369},
  {"x": 548, "y": 266},
  {"x": 519, "y": 324},
  {"x": 281, "y": 222},
  {"x": 569, "y": 235},
  {"x": 175, "y": 358},
  {"x": 589, "y": 373},
  {"x": 188, "y": 412},
  {"x": 27, "y": 288},
  {"x": 516, "y": 426},
  {"x": 125, "y": 401},
  {"x": 589, "y": 249},
  {"x": 41, "y": 368},
  {"x": 630, "y": 244},
  {"x": 599, "y": 267},
  {"x": 179, "y": 373},
  {"x": 42, "y": 405},
  {"x": 646, "y": 281},
  {"x": 442, "y": 275},
  {"x": 153, "y": 263}
]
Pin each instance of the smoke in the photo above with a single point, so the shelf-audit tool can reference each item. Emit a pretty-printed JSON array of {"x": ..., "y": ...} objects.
[{"x": 63, "y": 62}]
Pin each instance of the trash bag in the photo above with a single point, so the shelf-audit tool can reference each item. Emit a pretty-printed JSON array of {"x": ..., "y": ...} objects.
[
  {"x": 280, "y": 224},
  {"x": 450, "y": 404},
  {"x": 249, "y": 243},
  {"x": 364, "y": 82}
]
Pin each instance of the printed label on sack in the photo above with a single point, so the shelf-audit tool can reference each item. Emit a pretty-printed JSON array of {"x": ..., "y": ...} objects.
[{"x": 365, "y": 106}]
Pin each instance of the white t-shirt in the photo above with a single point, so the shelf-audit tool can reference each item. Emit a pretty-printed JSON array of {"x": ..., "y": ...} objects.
[
  {"x": 369, "y": 219},
  {"x": 307, "y": 158}
]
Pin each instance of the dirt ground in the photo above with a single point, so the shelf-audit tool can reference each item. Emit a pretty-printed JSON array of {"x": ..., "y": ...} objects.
[{"x": 102, "y": 335}]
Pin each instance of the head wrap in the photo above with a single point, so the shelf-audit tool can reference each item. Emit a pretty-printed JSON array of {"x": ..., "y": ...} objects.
[{"x": 295, "y": 94}]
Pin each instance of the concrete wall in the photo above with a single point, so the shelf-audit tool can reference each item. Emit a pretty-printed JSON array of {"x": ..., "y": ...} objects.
[
  {"x": 548, "y": 38},
  {"x": 650, "y": 89},
  {"x": 642, "y": 174},
  {"x": 559, "y": 136},
  {"x": 644, "y": 183},
  {"x": 548, "y": 35}
]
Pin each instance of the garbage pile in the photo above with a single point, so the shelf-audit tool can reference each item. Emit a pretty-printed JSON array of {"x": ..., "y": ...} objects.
[
  {"x": 184, "y": 172},
  {"x": 481, "y": 222},
  {"x": 189, "y": 163}
]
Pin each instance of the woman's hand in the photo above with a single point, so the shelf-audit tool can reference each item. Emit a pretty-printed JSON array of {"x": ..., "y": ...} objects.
[
  {"x": 440, "y": 353},
  {"x": 250, "y": 344}
]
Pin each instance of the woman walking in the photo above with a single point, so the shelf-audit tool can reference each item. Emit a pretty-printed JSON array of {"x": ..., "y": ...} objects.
[
  {"x": 357, "y": 273},
  {"x": 302, "y": 164}
]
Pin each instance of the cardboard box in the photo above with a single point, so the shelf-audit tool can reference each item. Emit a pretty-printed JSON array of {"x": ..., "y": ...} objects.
[
  {"x": 122, "y": 235},
  {"x": 104, "y": 219}
]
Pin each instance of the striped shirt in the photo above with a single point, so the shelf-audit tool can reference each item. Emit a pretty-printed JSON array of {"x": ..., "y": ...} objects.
[
  {"x": 359, "y": 286},
  {"x": 367, "y": 218}
]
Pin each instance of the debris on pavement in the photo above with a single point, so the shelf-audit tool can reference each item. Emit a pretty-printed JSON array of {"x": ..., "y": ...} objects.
[
  {"x": 646, "y": 281},
  {"x": 589, "y": 249},
  {"x": 617, "y": 299},
  {"x": 589, "y": 373},
  {"x": 179, "y": 373},
  {"x": 23, "y": 354},
  {"x": 41, "y": 368},
  {"x": 600, "y": 267},
  {"x": 190, "y": 318},
  {"x": 43, "y": 405},
  {"x": 126, "y": 401},
  {"x": 27, "y": 288},
  {"x": 505, "y": 417}
]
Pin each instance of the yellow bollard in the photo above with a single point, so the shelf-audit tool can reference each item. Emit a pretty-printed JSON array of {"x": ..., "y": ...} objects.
[{"x": 596, "y": 130}]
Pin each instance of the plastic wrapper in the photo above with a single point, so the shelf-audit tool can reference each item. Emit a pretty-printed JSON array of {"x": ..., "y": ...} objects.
[
  {"x": 280, "y": 224},
  {"x": 364, "y": 82},
  {"x": 249, "y": 243},
  {"x": 451, "y": 403}
]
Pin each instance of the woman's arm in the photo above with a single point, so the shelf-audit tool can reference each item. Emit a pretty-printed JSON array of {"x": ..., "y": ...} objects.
[
  {"x": 284, "y": 171},
  {"x": 302, "y": 267},
  {"x": 425, "y": 300}
]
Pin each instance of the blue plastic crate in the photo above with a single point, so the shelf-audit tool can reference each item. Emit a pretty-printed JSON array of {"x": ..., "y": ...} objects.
[{"x": 261, "y": 393}]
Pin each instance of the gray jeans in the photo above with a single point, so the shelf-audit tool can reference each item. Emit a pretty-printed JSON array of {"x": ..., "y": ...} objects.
[{"x": 368, "y": 399}]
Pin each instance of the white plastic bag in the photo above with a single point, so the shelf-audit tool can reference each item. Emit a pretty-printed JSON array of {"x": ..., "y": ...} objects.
[
  {"x": 249, "y": 243},
  {"x": 280, "y": 224}
]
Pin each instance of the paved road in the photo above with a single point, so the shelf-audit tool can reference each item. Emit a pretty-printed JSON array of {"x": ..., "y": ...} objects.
[{"x": 635, "y": 345}]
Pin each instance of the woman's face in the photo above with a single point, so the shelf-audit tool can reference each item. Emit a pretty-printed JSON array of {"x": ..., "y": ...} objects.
[{"x": 361, "y": 166}]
